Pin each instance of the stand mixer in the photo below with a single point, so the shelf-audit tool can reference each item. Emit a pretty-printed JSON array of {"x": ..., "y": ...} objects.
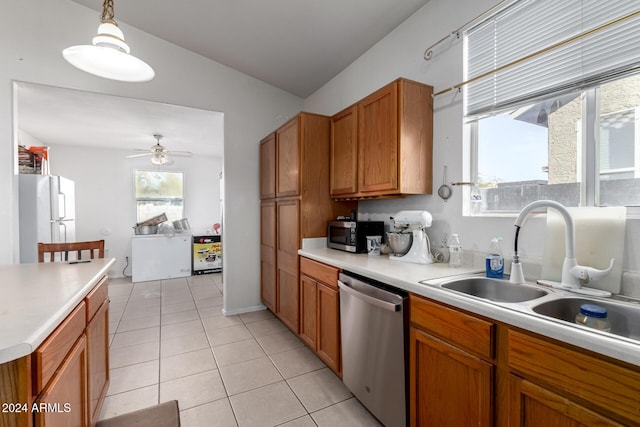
[{"x": 413, "y": 223}]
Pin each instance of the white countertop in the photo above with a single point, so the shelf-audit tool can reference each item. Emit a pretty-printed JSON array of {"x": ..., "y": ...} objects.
[
  {"x": 407, "y": 277},
  {"x": 36, "y": 298}
]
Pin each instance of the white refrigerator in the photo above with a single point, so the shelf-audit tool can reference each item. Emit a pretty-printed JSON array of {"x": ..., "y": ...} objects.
[{"x": 47, "y": 213}]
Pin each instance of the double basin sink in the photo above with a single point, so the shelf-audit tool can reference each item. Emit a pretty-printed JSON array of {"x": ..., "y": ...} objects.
[{"x": 623, "y": 316}]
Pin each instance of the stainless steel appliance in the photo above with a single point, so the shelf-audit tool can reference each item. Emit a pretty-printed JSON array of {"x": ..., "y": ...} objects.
[
  {"x": 374, "y": 323},
  {"x": 47, "y": 213},
  {"x": 351, "y": 236}
]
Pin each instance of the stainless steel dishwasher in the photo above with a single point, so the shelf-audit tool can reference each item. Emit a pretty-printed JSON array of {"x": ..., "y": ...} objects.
[{"x": 374, "y": 320}]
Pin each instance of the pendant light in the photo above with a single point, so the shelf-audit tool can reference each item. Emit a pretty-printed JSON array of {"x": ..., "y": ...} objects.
[{"x": 109, "y": 55}]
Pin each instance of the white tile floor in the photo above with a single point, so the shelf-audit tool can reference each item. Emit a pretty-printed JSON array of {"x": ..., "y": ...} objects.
[{"x": 170, "y": 341}]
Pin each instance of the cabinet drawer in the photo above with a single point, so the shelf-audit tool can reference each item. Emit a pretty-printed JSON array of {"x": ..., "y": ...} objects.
[
  {"x": 464, "y": 330},
  {"x": 321, "y": 272},
  {"x": 48, "y": 356},
  {"x": 96, "y": 297},
  {"x": 599, "y": 382}
]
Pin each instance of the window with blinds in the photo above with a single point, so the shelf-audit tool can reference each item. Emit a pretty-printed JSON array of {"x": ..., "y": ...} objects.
[
  {"x": 553, "y": 103},
  {"x": 571, "y": 51}
]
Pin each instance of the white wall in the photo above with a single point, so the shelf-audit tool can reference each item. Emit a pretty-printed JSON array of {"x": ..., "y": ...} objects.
[
  {"x": 105, "y": 197},
  {"x": 400, "y": 54},
  {"x": 32, "y": 36}
]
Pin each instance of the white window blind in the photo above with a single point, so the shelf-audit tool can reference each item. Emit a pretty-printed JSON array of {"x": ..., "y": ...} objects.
[{"x": 528, "y": 26}]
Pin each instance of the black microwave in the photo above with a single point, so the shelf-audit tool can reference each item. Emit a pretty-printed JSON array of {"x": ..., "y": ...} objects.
[{"x": 351, "y": 236}]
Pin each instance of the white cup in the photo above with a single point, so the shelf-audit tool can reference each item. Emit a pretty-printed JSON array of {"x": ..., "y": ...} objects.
[{"x": 373, "y": 245}]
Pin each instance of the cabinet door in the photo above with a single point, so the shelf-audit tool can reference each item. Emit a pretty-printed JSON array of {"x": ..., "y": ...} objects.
[
  {"x": 308, "y": 311},
  {"x": 533, "y": 406},
  {"x": 344, "y": 152},
  {"x": 268, "y": 287},
  {"x": 268, "y": 167},
  {"x": 64, "y": 400},
  {"x": 288, "y": 231},
  {"x": 288, "y": 160},
  {"x": 98, "y": 360},
  {"x": 378, "y": 141},
  {"x": 448, "y": 387},
  {"x": 329, "y": 326}
]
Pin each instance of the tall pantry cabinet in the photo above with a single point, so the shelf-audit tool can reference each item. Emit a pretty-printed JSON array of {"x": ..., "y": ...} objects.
[{"x": 295, "y": 204}]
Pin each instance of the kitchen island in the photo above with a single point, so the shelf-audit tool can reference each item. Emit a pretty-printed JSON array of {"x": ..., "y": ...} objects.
[{"x": 53, "y": 342}]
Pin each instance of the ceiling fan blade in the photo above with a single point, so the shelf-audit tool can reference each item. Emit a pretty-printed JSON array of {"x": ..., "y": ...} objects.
[
  {"x": 131, "y": 156},
  {"x": 180, "y": 153}
]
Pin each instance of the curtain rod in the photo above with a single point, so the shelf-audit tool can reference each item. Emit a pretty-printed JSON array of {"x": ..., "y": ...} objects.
[
  {"x": 541, "y": 51},
  {"x": 428, "y": 53}
]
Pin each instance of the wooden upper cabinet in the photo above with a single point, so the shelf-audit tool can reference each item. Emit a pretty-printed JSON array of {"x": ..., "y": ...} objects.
[
  {"x": 268, "y": 167},
  {"x": 391, "y": 134},
  {"x": 288, "y": 160},
  {"x": 344, "y": 152},
  {"x": 378, "y": 140}
]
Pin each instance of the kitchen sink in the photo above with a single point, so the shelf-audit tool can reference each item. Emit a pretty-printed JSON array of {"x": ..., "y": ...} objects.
[
  {"x": 624, "y": 317},
  {"x": 496, "y": 290}
]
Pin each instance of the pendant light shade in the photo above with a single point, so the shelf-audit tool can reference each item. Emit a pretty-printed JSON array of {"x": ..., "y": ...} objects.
[{"x": 109, "y": 55}]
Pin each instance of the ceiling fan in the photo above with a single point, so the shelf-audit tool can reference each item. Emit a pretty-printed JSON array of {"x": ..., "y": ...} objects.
[{"x": 159, "y": 154}]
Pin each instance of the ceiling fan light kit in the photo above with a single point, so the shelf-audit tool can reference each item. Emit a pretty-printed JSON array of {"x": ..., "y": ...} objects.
[
  {"x": 161, "y": 161},
  {"x": 109, "y": 55}
]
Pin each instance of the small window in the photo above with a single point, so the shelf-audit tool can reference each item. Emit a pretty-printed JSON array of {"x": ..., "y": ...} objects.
[{"x": 159, "y": 192}]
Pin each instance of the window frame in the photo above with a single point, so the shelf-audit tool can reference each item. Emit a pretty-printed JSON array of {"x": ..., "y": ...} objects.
[
  {"x": 137, "y": 199},
  {"x": 588, "y": 170},
  {"x": 624, "y": 20}
]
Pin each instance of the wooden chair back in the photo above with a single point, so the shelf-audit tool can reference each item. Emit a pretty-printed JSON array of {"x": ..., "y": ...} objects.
[{"x": 64, "y": 249}]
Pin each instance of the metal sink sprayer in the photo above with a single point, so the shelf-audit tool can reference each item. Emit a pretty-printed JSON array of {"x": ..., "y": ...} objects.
[{"x": 573, "y": 274}]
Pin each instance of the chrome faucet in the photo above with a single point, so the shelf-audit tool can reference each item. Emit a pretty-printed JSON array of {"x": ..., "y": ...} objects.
[{"x": 573, "y": 274}]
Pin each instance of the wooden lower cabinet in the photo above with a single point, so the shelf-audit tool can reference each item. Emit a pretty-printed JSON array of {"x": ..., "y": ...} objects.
[
  {"x": 308, "y": 310},
  {"x": 287, "y": 244},
  {"x": 65, "y": 380},
  {"x": 532, "y": 406},
  {"x": 320, "y": 311},
  {"x": 328, "y": 347},
  {"x": 98, "y": 360},
  {"x": 448, "y": 386},
  {"x": 268, "y": 265},
  {"x": 470, "y": 370},
  {"x": 64, "y": 401},
  {"x": 569, "y": 380},
  {"x": 288, "y": 299}
]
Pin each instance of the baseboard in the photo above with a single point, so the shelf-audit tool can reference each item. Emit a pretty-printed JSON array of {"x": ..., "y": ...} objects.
[{"x": 243, "y": 310}]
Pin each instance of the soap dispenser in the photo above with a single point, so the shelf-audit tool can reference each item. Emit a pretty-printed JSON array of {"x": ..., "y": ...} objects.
[{"x": 494, "y": 262}]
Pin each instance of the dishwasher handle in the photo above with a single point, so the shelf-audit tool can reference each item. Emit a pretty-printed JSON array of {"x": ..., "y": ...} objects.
[{"x": 386, "y": 305}]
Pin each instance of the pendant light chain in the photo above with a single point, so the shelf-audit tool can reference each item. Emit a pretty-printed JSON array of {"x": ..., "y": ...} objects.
[{"x": 107, "y": 13}]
